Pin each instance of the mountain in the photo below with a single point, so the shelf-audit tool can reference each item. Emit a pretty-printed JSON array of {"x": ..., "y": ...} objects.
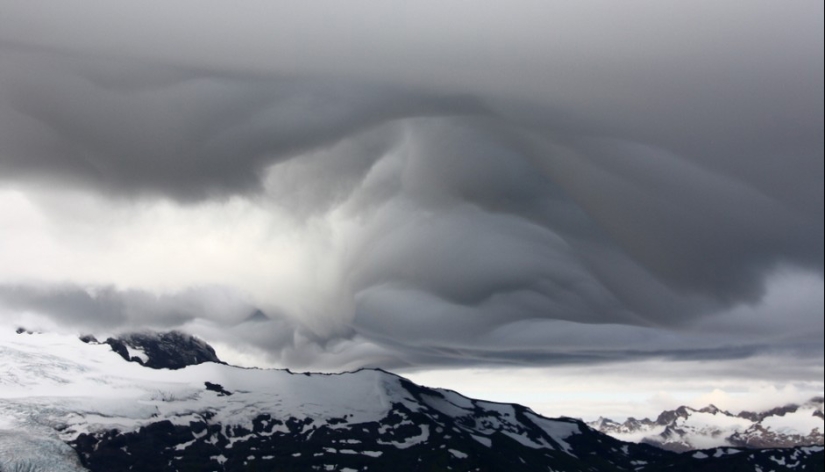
[
  {"x": 68, "y": 406},
  {"x": 685, "y": 428},
  {"x": 257, "y": 316}
]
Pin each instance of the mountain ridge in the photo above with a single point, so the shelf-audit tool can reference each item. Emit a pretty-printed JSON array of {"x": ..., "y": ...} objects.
[
  {"x": 81, "y": 398},
  {"x": 686, "y": 428}
]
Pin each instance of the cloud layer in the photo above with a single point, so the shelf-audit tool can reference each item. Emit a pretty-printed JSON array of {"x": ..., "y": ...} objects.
[{"x": 419, "y": 185}]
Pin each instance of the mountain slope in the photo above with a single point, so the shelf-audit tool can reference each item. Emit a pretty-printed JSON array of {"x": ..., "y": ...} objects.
[{"x": 117, "y": 415}]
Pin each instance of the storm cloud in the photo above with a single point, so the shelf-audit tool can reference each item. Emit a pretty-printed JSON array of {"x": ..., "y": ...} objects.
[{"x": 412, "y": 185}]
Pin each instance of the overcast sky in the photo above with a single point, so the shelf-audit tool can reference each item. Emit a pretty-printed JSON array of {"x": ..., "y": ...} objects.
[{"x": 523, "y": 189}]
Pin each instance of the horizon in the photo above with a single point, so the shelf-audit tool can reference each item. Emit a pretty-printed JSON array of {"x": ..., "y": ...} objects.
[{"x": 638, "y": 403}]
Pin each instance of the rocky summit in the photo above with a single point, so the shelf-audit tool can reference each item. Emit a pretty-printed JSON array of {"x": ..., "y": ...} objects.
[{"x": 172, "y": 350}]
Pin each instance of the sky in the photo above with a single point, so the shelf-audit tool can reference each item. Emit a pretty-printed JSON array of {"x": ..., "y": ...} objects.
[{"x": 590, "y": 207}]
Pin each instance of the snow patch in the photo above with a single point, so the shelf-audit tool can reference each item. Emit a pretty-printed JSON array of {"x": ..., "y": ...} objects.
[
  {"x": 724, "y": 452},
  {"x": 137, "y": 352},
  {"x": 457, "y": 454},
  {"x": 23, "y": 452},
  {"x": 800, "y": 422},
  {"x": 484, "y": 441},
  {"x": 558, "y": 430}
]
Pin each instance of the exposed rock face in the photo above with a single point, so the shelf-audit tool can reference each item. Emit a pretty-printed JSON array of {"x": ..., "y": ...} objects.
[
  {"x": 668, "y": 417},
  {"x": 761, "y": 415},
  {"x": 172, "y": 350}
]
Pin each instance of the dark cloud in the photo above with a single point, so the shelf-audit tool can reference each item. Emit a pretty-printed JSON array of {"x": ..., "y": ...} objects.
[
  {"x": 177, "y": 132},
  {"x": 530, "y": 184},
  {"x": 106, "y": 308}
]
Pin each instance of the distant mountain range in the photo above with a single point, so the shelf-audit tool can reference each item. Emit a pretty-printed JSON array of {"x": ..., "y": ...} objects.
[
  {"x": 68, "y": 405},
  {"x": 685, "y": 428}
]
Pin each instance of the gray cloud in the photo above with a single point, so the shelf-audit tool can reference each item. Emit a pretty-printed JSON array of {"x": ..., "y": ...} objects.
[
  {"x": 535, "y": 184},
  {"x": 411, "y": 330},
  {"x": 105, "y": 308},
  {"x": 178, "y": 132}
]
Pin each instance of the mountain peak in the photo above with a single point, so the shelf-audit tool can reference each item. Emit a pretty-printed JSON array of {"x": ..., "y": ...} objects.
[
  {"x": 169, "y": 350},
  {"x": 712, "y": 409},
  {"x": 257, "y": 316},
  {"x": 667, "y": 417}
]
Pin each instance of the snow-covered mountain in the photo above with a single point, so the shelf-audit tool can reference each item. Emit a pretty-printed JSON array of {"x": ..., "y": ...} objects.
[
  {"x": 68, "y": 405},
  {"x": 685, "y": 428}
]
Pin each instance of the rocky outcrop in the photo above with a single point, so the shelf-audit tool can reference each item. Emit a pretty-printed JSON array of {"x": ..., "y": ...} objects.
[{"x": 172, "y": 350}]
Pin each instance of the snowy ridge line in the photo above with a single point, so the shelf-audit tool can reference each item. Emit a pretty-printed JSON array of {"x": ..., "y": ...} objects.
[
  {"x": 99, "y": 391},
  {"x": 78, "y": 404},
  {"x": 687, "y": 428}
]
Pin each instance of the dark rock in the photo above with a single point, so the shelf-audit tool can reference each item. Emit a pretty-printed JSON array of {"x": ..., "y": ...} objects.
[
  {"x": 217, "y": 388},
  {"x": 668, "y": 417},
  {"x": 172, "y": 350},
  {"x": 257, "y": 317},
  {"x": 88, "y": 338}
]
